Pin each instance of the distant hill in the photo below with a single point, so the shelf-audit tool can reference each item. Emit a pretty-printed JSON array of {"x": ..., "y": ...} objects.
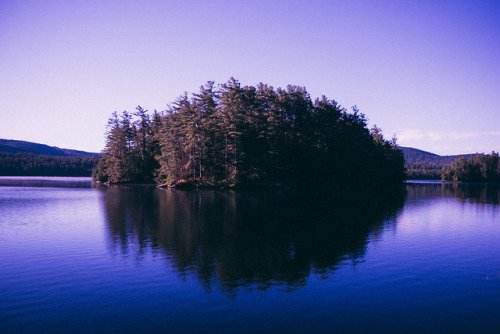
[
  {"x": 19, "y": 146},
  {"x": 425, "y": 165},
  {"x": 21, "y": 158},
  {"x": 413, "y": 155}
]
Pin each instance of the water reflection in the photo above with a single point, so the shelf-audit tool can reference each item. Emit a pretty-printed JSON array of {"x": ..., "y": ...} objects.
[
  {"x": 45, "y": 181},
  {"x": 477, "y": 193},
  {"x": 234, "y": 239}
]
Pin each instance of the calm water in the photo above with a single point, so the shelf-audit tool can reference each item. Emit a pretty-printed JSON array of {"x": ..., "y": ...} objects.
[{"x": 80, "y": 258}]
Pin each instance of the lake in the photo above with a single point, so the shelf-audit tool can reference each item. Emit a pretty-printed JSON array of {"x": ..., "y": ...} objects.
[{"x": 77, "y": 257}]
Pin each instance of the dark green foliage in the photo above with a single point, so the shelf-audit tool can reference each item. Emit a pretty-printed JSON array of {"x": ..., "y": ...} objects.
[
  {"x": 249, "y": 136},
  {"x": 131, "y": 146},
  {"x": 422, "y": 165},
  {"x": 423, "y": 172},
  {"x": 476, "y": 168},
  {"x": 29, "y": 164},
  {"x": 21, "y": 158}
]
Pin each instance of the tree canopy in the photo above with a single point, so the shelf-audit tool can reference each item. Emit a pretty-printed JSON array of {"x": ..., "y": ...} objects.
[
  {"x": 234, "y": 136},
  {"x": 476, "y": 168}
]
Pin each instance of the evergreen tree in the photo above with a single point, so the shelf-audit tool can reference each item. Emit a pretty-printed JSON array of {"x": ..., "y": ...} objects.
[{"x": 119, "y": 165}]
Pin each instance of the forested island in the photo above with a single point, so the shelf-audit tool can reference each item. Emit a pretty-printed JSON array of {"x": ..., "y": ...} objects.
[
  {"x": 234, "y": 136},
  {"x": 230, "y": 136}
]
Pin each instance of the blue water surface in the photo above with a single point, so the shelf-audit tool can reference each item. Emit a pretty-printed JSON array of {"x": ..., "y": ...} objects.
[{"x": 77, "y": 257}]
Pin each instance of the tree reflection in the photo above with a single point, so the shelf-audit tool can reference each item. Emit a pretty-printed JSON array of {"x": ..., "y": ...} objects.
[
  {"x": 247, "y": 239},
  {"x": 478, "y": 193}
]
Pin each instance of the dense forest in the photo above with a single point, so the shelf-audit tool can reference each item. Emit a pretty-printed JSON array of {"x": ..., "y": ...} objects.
[
  {"x": 475, "y": 168},
  {"x": 29, "y": 164},
  {"x": 22, "y": 158},
  {"x": 234, "y": 136}
]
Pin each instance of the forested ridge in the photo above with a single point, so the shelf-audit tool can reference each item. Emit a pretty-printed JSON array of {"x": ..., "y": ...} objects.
[
  {"x": 22, "y": 158},
  {"x": 479, "y": 167},
  {"x": 422, "y": 165},
  {"x": 19, "y": 146},
  {"x": 234, "y": 136}
]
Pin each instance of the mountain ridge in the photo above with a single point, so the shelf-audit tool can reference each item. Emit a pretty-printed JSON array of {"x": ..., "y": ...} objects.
[
  {"x": 415, "y": 155},
  {"x": 423, "y": 165},
  {"x": 22, "y": 158},
  {"x": 12, "y": 146}
]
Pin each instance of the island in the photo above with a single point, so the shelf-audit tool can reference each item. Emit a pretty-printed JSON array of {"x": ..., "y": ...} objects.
[{"x": 238, "y": 137}]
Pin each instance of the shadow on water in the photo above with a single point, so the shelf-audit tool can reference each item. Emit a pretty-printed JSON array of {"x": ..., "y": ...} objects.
[{"x": 246, "y": 239}]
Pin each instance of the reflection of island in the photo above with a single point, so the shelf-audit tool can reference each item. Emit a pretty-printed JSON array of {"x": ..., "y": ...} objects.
[
  {"x": 479, "y": 193},
  {"x": 247, "y": 238}
]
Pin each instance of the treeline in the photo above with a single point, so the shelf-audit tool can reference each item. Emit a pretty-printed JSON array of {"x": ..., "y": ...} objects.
[
  {"x": 29, "y": 164},
  {"x": 248, "y": 136},
  {"x": 476, "y": 168},
  {"x": 424, "y": 171}
]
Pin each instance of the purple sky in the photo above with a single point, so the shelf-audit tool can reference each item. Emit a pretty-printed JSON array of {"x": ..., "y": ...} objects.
[{"x": 426, "y": 71}]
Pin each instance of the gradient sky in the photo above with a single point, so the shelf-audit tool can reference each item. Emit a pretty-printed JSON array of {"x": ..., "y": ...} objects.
[{"x": 425, "y": 71}]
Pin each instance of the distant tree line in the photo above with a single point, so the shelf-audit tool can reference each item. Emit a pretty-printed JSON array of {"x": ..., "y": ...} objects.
[
  {"x": 422, "y": 165},
  {"x": 475, "y": 168},
  {"x": 29, "y": 164},
  {"x": 423, "y": 171},
  {"x": 248, "y": 136}
]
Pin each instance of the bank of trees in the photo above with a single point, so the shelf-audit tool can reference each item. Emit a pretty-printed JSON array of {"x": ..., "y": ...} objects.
[
  {"x": 29, "y": 164},
  {"x": 476, "y": 168},
  {"x": 248, "y": 136}
]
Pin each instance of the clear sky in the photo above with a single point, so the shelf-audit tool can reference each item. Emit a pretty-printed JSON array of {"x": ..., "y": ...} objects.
[{"x": 425, "y": 71}]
